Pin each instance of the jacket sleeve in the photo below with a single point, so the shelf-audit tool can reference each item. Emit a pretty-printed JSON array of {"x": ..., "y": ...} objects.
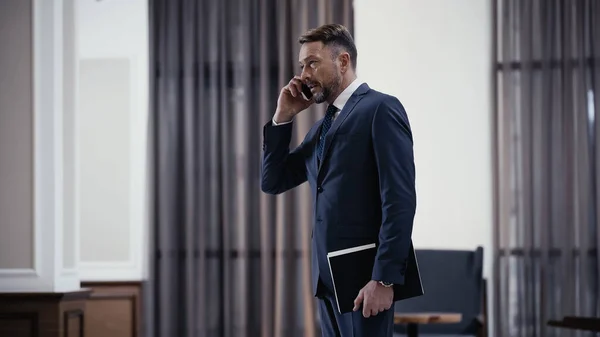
[
  {"x": 282, "y": 169},
  {"x": 393, "y": 150}
]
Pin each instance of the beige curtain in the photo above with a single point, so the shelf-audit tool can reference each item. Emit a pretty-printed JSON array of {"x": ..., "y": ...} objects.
[
  {"x": 547, "y": 228},
  {"x": 228, "y": 260}
]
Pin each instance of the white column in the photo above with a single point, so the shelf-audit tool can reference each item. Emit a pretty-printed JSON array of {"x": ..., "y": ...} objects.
[{"x": 54, "y": 234}]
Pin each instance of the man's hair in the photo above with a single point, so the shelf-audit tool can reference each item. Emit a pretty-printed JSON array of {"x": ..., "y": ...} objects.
[{"x": 334, "y": 35}]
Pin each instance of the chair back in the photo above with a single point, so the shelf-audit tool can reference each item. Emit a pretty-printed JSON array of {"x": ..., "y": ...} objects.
[{"x": 453, "y": 283}]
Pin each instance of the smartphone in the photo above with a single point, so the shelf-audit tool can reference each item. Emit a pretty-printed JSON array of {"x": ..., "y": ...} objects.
[{"x": 306, "y": 92}]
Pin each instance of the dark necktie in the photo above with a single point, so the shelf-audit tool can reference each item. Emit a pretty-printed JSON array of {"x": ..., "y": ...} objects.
[{"x": 327, "y": 121}]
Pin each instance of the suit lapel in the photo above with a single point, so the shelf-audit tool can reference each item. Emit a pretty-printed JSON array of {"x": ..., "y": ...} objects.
[{"x": 348, "y": 108}]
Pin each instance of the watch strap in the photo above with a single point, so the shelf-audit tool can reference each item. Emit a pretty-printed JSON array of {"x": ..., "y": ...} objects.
[{"x": 385, "y": 284}]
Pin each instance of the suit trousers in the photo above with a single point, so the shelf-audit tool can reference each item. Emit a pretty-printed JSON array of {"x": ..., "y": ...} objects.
[{"x": 352, "y": 324}]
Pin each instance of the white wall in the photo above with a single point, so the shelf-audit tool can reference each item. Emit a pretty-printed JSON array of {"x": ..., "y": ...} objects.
[
  {"x": 113, "y": 76},
  {"x": 436, "y": 57}
]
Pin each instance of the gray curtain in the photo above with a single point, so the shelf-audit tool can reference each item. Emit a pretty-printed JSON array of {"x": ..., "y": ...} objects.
[
  {"x": 227, "y": 260},
  {"x": 547, "y": 228}
]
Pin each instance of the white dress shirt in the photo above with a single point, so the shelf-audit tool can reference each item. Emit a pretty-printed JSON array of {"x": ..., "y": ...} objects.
[{"x": 340, "y": 101}]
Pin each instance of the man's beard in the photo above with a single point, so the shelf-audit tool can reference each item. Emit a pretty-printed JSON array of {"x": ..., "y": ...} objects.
[
  {"x": 322, "y": 96},
  {"x": 326, "y": 91}
]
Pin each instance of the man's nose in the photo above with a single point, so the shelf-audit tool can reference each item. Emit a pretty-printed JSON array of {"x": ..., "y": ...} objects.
[{"x": 304, "y": 75}]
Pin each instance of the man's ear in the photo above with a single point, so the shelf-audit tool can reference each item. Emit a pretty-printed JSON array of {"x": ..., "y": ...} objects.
[{"x": 344, "y": 59}]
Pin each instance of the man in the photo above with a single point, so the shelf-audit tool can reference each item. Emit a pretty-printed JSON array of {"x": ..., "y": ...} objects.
[{"x": 359, "y": 163}]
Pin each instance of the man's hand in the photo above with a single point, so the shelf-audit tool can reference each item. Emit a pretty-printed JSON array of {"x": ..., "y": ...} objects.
[
  {"x": 291, "y": 101},
  {"x": 375, "y": 299}
]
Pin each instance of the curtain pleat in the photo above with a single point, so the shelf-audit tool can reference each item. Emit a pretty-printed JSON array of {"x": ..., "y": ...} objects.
[
  {"x": 594, "y": 101},
  {"x": 228, "y": 260}
]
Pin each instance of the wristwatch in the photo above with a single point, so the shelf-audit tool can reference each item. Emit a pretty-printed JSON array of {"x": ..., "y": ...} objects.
[{"x": 385, "y": 284}]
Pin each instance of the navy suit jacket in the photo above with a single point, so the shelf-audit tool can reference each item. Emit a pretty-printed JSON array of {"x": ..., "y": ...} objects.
[{"x": 364, "y": 189}]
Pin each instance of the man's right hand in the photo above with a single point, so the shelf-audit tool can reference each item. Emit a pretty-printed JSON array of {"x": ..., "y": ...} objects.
[{"x": 291, "y": 101}]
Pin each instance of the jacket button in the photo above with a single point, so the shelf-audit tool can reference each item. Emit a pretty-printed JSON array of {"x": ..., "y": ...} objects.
[{"x": 319, "y": 189}]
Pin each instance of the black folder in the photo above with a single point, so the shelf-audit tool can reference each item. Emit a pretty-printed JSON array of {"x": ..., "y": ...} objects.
[{"x": 351, "y": 270}]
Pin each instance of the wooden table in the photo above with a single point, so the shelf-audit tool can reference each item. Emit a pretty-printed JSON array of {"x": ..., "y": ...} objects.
[
  {"x": 577, "y": 323},
  {"x": 412, "y": 320}
]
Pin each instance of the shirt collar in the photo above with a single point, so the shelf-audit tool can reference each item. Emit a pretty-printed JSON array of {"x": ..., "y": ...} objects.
[{"x": 344, "y": 96}]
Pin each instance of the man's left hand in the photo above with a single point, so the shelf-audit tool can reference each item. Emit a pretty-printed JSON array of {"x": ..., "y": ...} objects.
[{"x": 375, "y": 299}]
